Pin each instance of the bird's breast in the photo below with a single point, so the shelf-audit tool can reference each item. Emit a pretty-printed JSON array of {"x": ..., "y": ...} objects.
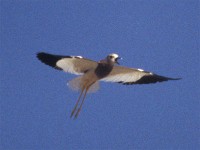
[{"x": 103, "y": 70}]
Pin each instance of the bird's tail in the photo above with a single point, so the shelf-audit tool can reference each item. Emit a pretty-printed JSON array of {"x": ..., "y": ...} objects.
[{"x": 77, "y": 84}]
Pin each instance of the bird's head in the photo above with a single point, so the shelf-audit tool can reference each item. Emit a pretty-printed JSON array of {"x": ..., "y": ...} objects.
[{"x": 113, "y": 58}]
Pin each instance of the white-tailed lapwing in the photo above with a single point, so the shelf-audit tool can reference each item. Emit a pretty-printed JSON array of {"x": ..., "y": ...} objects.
[{"x": 91, "y": 72}]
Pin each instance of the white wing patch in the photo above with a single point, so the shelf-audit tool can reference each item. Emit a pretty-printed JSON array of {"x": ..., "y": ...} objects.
[
  {"x": 76, "y": 65},
  {"x": 77, "y": 56},
  {"x": 68, "y": 66},
  {"x": 140, "y": 69},
  {"x": 128, "y": 77},
  {"x": 125, "y": 75}
]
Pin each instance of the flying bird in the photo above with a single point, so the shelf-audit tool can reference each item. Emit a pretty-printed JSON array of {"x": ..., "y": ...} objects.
[{"x": 91, "y": 72}]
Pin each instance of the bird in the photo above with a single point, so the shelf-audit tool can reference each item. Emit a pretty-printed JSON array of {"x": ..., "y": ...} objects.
[{"x": 91, "y": 72}]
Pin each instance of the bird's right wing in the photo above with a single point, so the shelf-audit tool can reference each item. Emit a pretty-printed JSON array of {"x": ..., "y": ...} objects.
[
  {"x": 129, "y": 76},
  {"x": 72, "y": 64}
]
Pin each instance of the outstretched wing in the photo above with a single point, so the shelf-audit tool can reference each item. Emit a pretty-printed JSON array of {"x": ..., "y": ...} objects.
[
  {"x": 72, "y": 64},
  {"x": 129, "y": 76}
]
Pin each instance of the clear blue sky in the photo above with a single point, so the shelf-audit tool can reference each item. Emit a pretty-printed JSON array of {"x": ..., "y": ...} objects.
[{"x": 159, "y": 36}]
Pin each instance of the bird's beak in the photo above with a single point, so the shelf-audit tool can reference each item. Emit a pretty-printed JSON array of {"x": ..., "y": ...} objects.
[{"x": 116, "y": 60}]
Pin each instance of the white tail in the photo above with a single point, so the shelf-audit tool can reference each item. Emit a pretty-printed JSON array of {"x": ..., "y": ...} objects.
[{"x": 76, "y": 84}]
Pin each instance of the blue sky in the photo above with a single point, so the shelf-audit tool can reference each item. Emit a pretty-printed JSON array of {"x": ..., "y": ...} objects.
[{"x": 158, "y": 36}]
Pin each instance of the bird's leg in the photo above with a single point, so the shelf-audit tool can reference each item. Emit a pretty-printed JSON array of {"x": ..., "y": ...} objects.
[
  {"x": 78, "y": 111},
  {"x": 77, "y": 102}
]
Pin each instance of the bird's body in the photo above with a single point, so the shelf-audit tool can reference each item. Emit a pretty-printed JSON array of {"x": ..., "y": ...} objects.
[
  {"x": 103, "y": 69},
  {"x": 92, "y": 72}
]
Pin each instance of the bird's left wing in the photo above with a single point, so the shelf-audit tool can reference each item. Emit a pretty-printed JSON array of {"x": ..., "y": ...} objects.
[
  {"x": 129, "y": 76},
  {"x": 72, "y": 64}
]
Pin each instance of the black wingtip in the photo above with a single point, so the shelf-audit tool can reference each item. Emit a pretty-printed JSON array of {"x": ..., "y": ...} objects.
[
  {"x": 49, "y": 59},
  {"x": 168, "y": 78},
  {"x": 150, "y": 79},
  {"x": 40, "y": 55},
  {"x": 175, "y": 78}
]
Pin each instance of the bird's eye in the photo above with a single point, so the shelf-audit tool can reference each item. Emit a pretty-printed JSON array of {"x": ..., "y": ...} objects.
[{"x": 111, "y": 57}]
